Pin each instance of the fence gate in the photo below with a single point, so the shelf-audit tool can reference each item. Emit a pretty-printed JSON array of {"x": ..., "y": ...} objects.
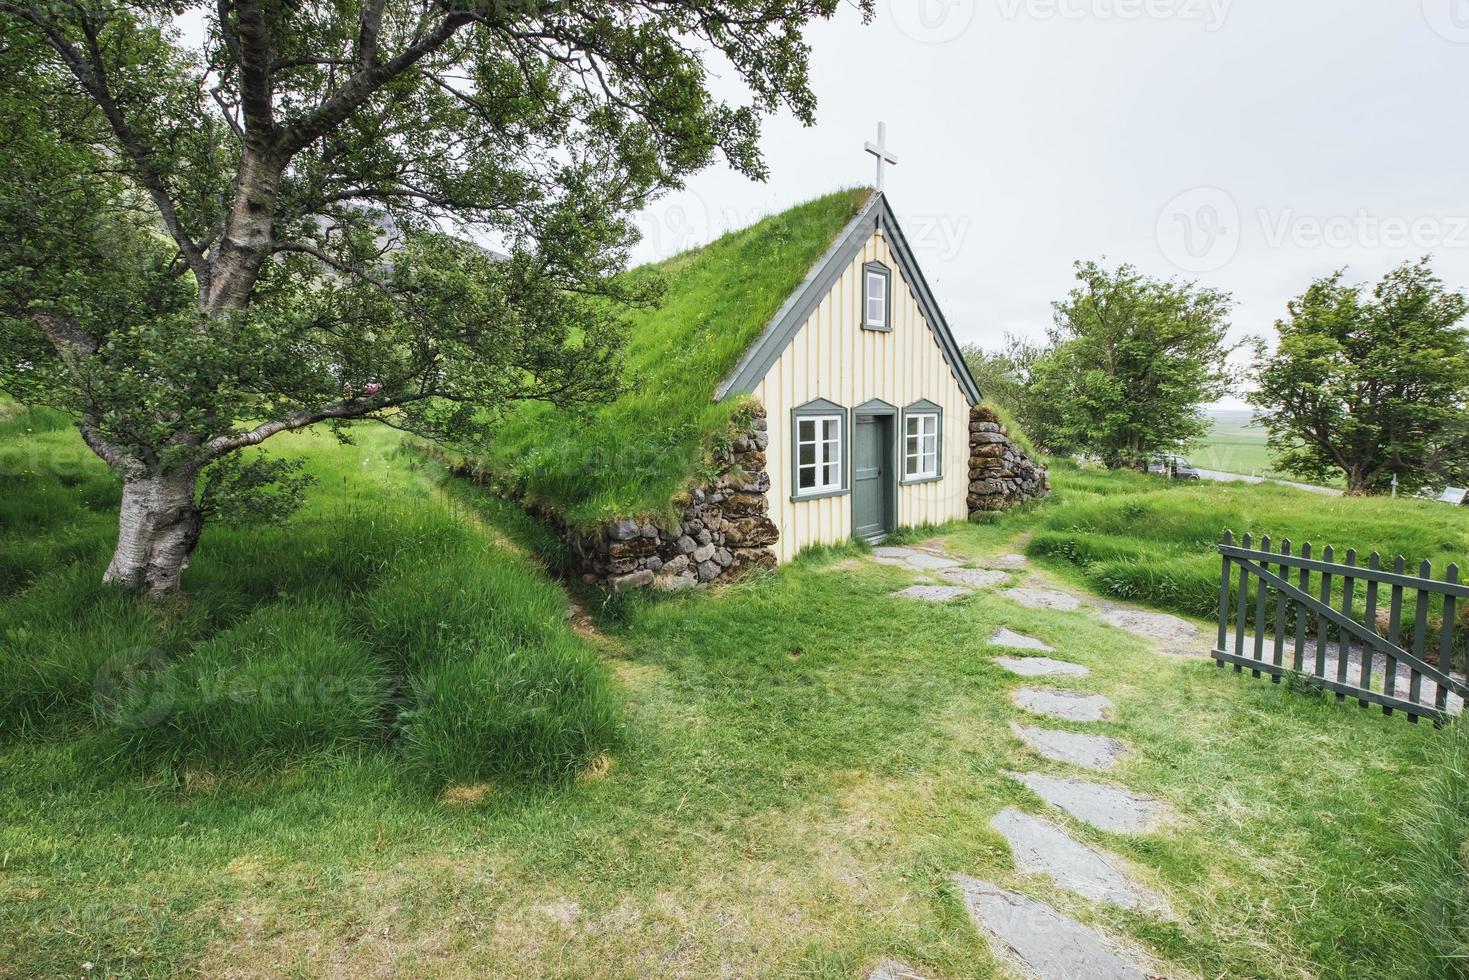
[{"x": 1331, "y": 646}]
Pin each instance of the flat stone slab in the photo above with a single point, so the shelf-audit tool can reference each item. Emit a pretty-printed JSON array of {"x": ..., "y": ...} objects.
[
  {"x": 1066, "y": 705},
  {"x": 975, "y": 578},
  {"x": 932, "y": 593},
  {"x": 1018, "y": 641},
  {"x": 1010, "y": 560},
  {"x": 893, "y": 970},
  {"x": 1041, "y": 667},
  {"x": 1040, "y": 847},
  {"x": 1041, "y": 940},
  {"x": 1089, "y": 751},
  {"x": 1156, "y": 625},
  {"x": 913, "y": 558},
  {"x": 1104, "y": 807},
  {"x": 1044, "y": 599}
]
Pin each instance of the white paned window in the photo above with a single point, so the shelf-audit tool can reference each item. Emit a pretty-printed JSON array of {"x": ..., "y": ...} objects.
[
  {"x": 876, "y": 296},
  {"x": 921, "y": 446},
  {"x": 818, "y": 454}
]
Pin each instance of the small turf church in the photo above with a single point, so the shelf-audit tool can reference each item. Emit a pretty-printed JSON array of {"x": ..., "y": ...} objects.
[
  {"x": 860, "y": 413},
  {"x": 866, "y": 393}
]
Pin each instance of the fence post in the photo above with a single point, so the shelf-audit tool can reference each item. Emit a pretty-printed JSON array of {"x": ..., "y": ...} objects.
[
  {"x": 1369, "y": 650},
  {"x": 1224, "y": 583},
  {"x": 1284, "y": 570},
  {"x": 1241, "y": 606},
  {"x": 1446, "y": 638}
]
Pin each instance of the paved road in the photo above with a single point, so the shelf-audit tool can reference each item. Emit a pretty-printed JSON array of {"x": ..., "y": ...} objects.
[{"x": 1224, "y": 477}]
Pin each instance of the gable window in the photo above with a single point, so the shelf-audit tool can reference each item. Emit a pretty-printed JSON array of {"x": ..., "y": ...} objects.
[
  {"x": 819, "y": 454},
  {"x": 922, "y": 428},
  {"x": 877, "y": 300}
]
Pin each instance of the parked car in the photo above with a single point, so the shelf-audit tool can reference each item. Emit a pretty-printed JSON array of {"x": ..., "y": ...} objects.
[{"x": 1175, "y": 466}]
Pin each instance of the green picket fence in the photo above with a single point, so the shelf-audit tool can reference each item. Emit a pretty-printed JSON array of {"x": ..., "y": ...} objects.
[{"x": 1346, "y": 625}]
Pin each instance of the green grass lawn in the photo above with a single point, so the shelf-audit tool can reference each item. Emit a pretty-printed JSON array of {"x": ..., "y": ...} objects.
[{"x": 804, "y": 762}]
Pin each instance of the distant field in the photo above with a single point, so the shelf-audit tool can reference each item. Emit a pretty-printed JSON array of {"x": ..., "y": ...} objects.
[{"x": 1234, "y": 446}]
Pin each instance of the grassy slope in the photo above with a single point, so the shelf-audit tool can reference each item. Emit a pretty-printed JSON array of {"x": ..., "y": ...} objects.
[
  {"x": 375, "y": 613},
  {"x": 633, "y": 456}
]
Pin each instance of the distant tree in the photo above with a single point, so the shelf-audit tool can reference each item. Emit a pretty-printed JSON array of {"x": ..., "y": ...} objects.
[
  {"x": 202, "y": 246},
  {"x": 1370, "y": 386},
  {"x": 1129, "y": 364}
]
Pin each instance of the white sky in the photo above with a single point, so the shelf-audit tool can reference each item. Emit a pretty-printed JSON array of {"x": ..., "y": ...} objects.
[{"x": 1250, "y": 144}]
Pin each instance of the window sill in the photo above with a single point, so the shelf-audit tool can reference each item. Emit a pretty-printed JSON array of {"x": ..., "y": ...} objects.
[
  {"x": 797, "y": 498},
  {"x": 886, "y": 329},
  {"x": 913, "y": 481}
]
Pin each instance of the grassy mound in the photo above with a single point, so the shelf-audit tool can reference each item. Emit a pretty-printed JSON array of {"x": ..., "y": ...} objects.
[
  {"x": 634, "y": 455},
  {"x": 375, "y": 621}
]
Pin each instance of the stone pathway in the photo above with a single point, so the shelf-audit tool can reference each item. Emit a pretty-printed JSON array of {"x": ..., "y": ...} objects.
[
  {"x": 1155, "y": 625},
  {"x": 1043, "y": 599},
  {"x": 1003, "y": 637},
  {"x": 1088, "y": 751},
  {"x": 1105, "y": 807},
  {"x": 975, "y": 578},
  {"x": 963, "y": 580},
  {"x": 1045, "y": 943},
  {"x": 1041, "y": 667},
  {"x": 1035, "y": 938},
  {"x": 932, "y": 593},
  {"x": 1040, "y": 847},
  {"x": 1066, "y": 705}
]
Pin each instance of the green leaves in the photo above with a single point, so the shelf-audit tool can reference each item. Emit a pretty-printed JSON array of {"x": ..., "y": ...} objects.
[
  {"x": 1370, "y": 386},
  {"x": 1129, "y": 363}
]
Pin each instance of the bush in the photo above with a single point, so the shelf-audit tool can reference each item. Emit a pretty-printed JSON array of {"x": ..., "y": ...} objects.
[{"x": 289, "y": 680}]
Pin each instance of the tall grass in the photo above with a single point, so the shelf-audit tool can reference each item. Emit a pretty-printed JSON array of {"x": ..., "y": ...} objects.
[
  {"x": 375, "y": 621},
  {"x": 1438, "y": 873}
]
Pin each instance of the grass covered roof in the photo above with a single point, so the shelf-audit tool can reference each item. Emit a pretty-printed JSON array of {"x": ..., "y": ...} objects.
[{"x": 633, "y": 456}]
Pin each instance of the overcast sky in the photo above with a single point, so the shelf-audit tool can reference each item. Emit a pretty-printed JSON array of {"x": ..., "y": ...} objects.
[{"x": 1249, "y": 144}]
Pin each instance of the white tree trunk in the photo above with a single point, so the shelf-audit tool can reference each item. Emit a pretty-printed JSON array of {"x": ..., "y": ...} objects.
[{"x": 158, "y": 527}]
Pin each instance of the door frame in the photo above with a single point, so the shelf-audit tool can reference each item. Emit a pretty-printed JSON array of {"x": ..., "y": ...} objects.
[{"x": 878, "y": 407}]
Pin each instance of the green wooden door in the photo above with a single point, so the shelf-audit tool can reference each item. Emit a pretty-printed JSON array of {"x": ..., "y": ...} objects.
[{"x": 873, "y": 490}]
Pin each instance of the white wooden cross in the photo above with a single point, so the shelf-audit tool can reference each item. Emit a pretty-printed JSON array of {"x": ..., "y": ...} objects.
[{"x": 880, "y": 150}]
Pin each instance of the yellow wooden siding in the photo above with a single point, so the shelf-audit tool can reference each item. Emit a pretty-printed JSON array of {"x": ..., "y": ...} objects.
[{"x": 832, "y": 357}]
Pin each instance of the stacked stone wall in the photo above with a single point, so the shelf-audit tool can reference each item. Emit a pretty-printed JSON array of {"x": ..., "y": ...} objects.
[{"x": 1001, "y": 475}]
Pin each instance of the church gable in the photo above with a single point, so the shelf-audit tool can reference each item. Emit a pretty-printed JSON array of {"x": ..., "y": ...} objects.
[{"x": 874, "y": 236}]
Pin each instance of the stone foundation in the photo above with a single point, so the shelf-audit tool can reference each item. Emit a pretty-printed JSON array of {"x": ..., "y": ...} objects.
[{"x": 1001, "y": 475}]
